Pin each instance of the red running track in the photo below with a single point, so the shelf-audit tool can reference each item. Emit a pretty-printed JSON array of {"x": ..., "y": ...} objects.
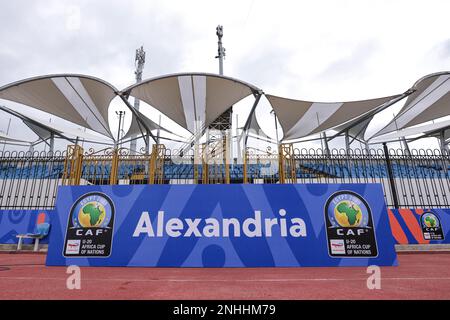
[{"x": 419, "y": 276}]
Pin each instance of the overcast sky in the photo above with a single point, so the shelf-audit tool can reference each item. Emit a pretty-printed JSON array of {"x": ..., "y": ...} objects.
[{"x": 310, "y": 50}]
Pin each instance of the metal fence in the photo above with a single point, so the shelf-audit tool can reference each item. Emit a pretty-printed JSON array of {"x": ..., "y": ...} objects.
[
  {"x": 30, "y": 180},
  {"x": 418, "y": 179}
]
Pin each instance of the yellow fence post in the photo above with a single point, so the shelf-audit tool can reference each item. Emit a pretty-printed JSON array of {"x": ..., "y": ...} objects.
[
  {"x": 227, "y": 160},
  {"x": 196, "y": 162},
  {"x": 292, "y": 164},
  {"x": 244, "y": 170},
  {"x": 205, "y": 167},
  {"x": 160, "y": 163},
  {"x": 281, "y": 164},
  {"x": 157, "y": 157},
  {"x": 152, "y": 166},
  {"x": 286, "y": 165},
  {"x": 113, "y": 178},
  {"x": 79, "y": 166},
  {"x": 73, "y": 165},
  {"x": 205, "y": 175}
]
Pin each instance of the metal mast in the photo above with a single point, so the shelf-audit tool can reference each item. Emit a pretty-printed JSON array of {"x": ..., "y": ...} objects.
[
  {"x": 139, "y": 62},
  {"x": 221, "y": 49}
]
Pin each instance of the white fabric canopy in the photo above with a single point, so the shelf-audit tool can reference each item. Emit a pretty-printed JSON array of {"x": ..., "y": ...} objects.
[
  {"x": 424, "y": 129},
  {"x": 44, "y": 129},
  {"x": 429, "y": 101},
  {"x": 9, "y": 139},
  {"x": 303, "y": 118},
  {"x": 136, "y": 130},
  {"x": 80, "y": 99},
  {"x": 256, "y": 129},
  {"x": 189, "y": 97},
  {"x": 356, "y": 129}
]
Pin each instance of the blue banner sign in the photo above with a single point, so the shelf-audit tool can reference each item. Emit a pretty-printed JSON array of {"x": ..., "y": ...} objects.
[
  {"x": 420, "y": 226},
  {"x": 14, "y": 222},
  {"x": 221, "y": 226}
]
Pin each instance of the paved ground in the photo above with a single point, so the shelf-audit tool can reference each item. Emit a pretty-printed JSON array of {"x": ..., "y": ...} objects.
[{"x": 419, "y": 276}]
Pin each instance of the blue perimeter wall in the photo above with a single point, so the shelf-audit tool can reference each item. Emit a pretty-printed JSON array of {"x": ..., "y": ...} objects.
[
  {"x": 14, "y": 222},
  {"x": 305, "y": 201}
]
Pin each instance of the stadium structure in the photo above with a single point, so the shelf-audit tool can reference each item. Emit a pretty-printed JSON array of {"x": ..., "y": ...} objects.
[
  {"x": 214, "y": 152},
  {"x": 201, "y": 104}
]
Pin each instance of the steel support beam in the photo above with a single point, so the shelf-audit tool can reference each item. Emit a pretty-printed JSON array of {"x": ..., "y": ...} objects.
[
  {"x": 258, "y": 96},
  {"x": 139, "y": 121},
  {"x": 382, "y": 107}
]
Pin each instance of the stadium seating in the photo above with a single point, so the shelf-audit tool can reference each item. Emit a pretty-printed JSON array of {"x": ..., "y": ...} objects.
[{"x": 254, "y": 171}]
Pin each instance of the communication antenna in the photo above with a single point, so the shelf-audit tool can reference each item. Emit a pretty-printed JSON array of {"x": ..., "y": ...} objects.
[
  {"x": 139, "y": 62},
  {"x": 221, "y": 49}
]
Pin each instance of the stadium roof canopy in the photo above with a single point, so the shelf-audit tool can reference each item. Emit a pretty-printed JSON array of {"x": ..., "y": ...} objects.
[
  {"x": 357, "y": 128},
  {"x": 193, "y": 99},
  {"x": 9, "y": 140},
  {"x": 189, "y": 97},
  {"x": 135, "y": 129},
  {"x": 44, "y": 130},
  {"x": 429, "y": 101},
  {"x": 80, "y": 99},
  {"x": 433, "y": 129},
  {"x": 257, "y": 130},
  {"x": 303, "y": 118}
]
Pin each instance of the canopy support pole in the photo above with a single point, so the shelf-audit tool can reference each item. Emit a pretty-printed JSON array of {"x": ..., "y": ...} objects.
[
  {"x": 258, "y": 96},
  {"x": 276, "y": 130},
  {"x": 147, "y": 144},
  {"x": 406, "y": 147},
  {"x": 325, "y": 141},
  {"x": 159, "y": 130},
  {"x": 347, "y": 141},
  {"x": 52, "y": 142},
  {"x": 238, "y": 139},
  {"x": 442, "y": 141}
]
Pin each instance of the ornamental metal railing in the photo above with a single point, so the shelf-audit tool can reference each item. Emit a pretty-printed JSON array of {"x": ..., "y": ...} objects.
[{"x": 419, "y": 179}]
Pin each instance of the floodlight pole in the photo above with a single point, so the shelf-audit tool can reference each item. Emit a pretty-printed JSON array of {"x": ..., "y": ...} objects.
[
  {"x": 140, "y": 62},
  {"x": 228, "y": 146},
  {"x": 221, "y": 49}
]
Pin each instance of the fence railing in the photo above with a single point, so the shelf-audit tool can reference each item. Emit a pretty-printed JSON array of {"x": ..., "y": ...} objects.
[
  {"x": 30, "y": 180},
  {"x": 420, "y": 178}
]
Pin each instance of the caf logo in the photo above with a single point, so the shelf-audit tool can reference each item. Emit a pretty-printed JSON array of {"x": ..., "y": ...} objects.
[
  {"x": 431, "y": 226},
  {"x": 349, "y": 224},
  {"x": 90, "y": 227}
]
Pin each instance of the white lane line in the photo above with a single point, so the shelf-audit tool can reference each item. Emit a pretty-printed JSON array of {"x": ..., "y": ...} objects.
[{"x": 224, "y": 280}]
